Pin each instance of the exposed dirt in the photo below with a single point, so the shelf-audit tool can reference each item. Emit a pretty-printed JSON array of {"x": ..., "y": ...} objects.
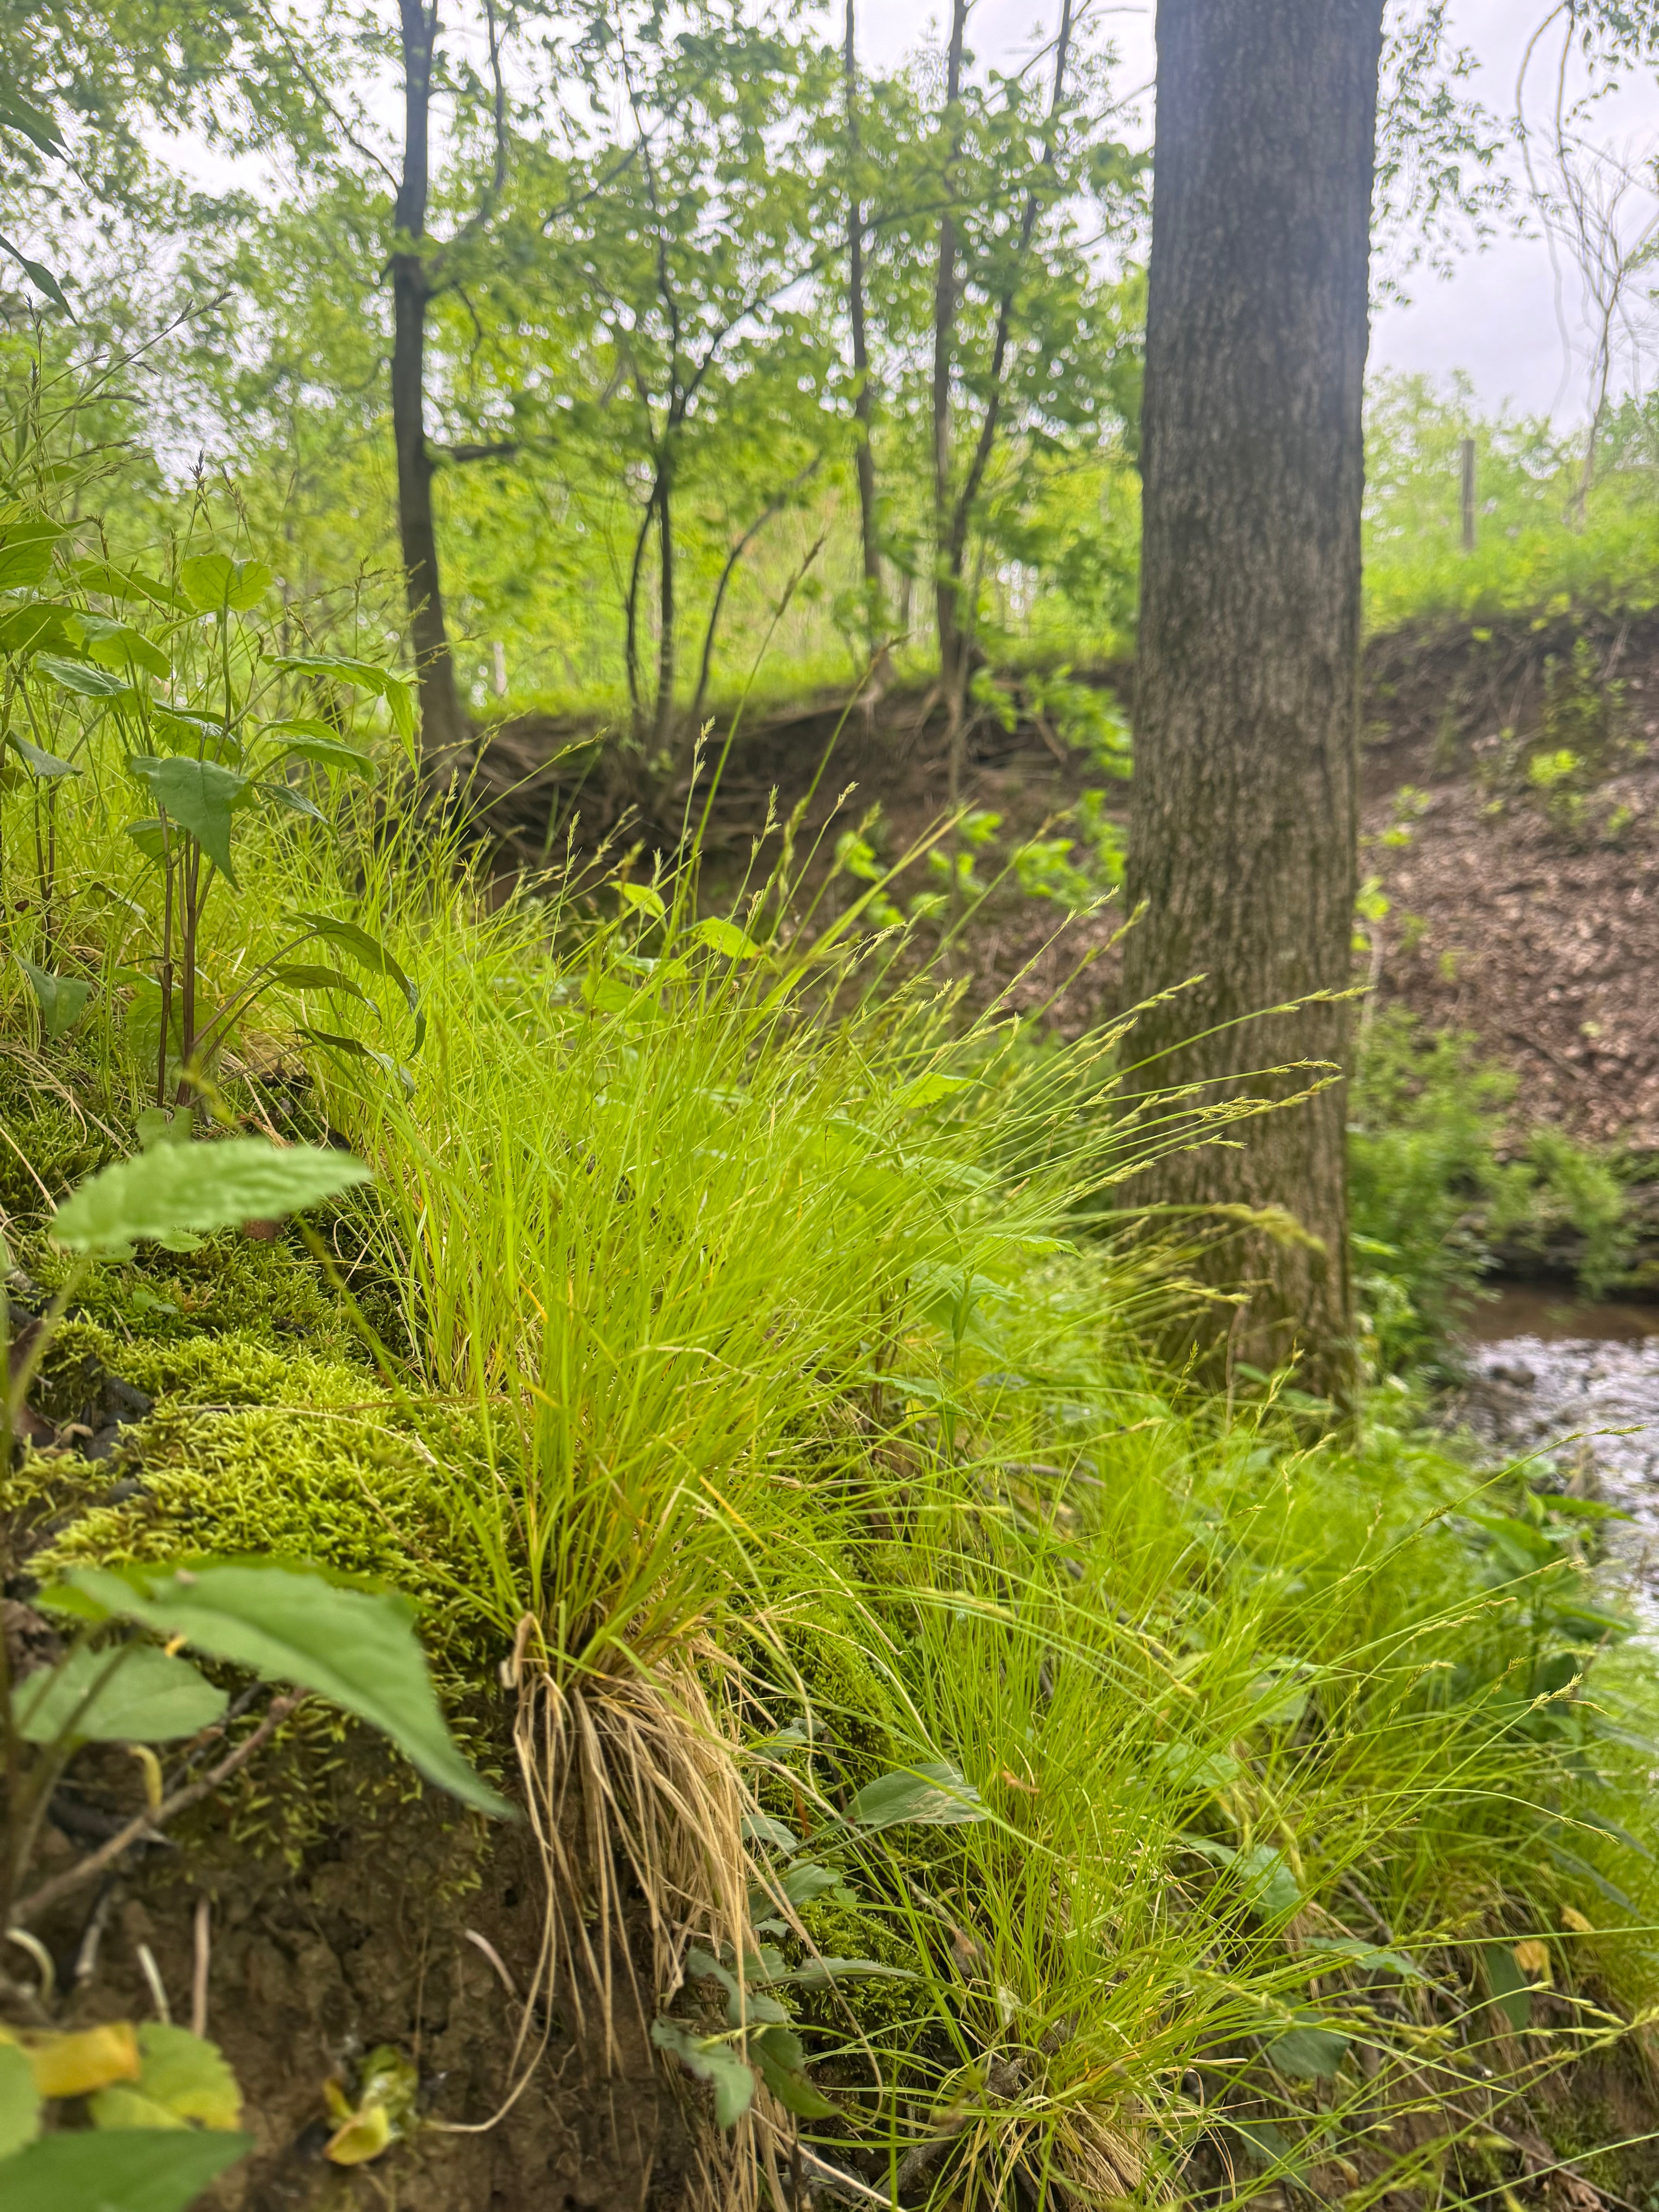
[{"x": 1507, "y": 917}]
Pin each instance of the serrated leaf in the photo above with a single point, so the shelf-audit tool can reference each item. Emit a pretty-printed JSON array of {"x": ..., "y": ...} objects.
[
  {"x": 197, "y": 1188},
  {"x": 183, "y": 2078},
  {"x": 933, "y": 1794},
  {"x": 288, "y": 1623},
  {"x": 714, "y": 2061},
  {"x": 40, "y": 763},
  {"x": 26, "y": 546},
  {"x": 149, "y": 1697},
  {"x": 20, "y": 2100},
  {"x": 136, "y": 2170},
  {"x": 199, "y": 796},
  {"x": 61, "y": 999},
  {"x": 215, "y": 584},
  {"x": 725, "y": 939},
  {"x": 199, "y": 736},
  {"x": 928, "y": 1089}
]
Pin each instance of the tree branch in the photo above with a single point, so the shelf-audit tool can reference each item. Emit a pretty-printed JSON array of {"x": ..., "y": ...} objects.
[{"x": 147, "y": 1822}]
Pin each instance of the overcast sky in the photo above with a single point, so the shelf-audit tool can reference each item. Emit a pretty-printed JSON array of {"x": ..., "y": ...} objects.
[{"x": 1496, "y": 318}]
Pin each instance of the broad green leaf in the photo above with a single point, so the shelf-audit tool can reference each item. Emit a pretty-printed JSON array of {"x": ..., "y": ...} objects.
[
  {"x": 35, "y": 626},
  {"x": 369, "y": 953},
  {"x": 1265, "y": 1880},
  {"x": 363, "y": 676},
  {"x": 149, "y": 835},
  {"x": 41, "y": 763},
  {"x": 183, "y": 2078},
  {"x": 117, "y": 645},
  {"x": 928, "y": 1089},
  {"x": 61, "y": 999},
  {"x": 128, "y": 584},
  {"x": 134, "y": 2170},
  {"x": 324, "y": 750},
  {"x": 26, "y": 546},
  {"x": 201, "y": 1188},
  {"x": 353, "y": 1049},
  {"x": 725, "y": 939},
  {"x": 20, "y": 2100},
  {"x": 356, "y": 1647},
  {"x": 782, "y": 2063},
  {"x": 1189, "y": 1767},
  {"x": 306, "y": 975},
  {"x": 203, "y": 736},
  {"x": 162, "y": 1125},
  {"x": 1511, "y": 1989},
  {"x": 804, "y": 1881},
  {"x": 712, "y": 2060},
  {"x": 149, "y": 1697},
  {"x": 39, "y": 275},
  {"x": 1309, "y": 2051},
  {"x": 932, "y": 1795},
  {"x": 215, "y": 584},
  {"x": 284, "y": 796},
  {"x": 82, "y": 678},
  {"x": 643, "y": 900},
  {"x": 762, "y": 1828},
  {"x": 199, "y": 796}
]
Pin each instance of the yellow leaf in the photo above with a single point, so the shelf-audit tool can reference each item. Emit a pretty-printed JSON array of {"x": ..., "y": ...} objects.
[
  {"x": 121, "y": 2105},
  {"x": 364, "y": 2136},
  {"x": 1572, "y": 1918},
  {"x": 75, "y": 2065},
  {"x": 1534, "y": 1960}
]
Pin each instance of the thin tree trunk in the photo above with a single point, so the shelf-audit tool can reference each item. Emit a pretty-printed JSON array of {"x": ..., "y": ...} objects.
[
  {"x": 665, "y": 607},
  {"x": 1243, "y": 840},
  {"x": 945, "y": 329},
  {"x": 864, "y": 459},
  {"x": 443, "y": 726}
]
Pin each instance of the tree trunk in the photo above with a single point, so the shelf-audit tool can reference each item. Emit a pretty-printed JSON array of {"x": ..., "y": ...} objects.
[
  {"x": 947, "y": 613},
  {"x": 864, "y": 459},
  {"x": 667, "y": 612},
  {"x": 443, "y": 726},
  {"x": 1243, "y": 840}
]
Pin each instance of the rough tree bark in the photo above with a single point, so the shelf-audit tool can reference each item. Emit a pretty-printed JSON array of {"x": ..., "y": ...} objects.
[
  {"x": 1242, "y": 839},
  {"x": 443, "y": 725}
]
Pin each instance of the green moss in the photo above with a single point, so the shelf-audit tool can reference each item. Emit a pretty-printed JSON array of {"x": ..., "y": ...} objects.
[{"x": 255, "y": 1449}]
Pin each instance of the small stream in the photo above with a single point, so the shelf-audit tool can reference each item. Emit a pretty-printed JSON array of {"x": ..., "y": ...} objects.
[{"x": 1580, "y": 1381}]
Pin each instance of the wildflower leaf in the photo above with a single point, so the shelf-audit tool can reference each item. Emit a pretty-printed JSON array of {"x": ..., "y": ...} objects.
[
  {"x": 933, "y": 1795},
  {"x": 137, "y": 2169},
  {"x": 20, "y": 2100},
  {"x": 713, "y": 2060},
  {"x": 197, "y": 1189},
  {"x": 148, "y": 1697}
]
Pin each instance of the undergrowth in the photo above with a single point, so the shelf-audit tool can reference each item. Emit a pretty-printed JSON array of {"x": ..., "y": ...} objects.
[{"x": 1205, "y": 1801}]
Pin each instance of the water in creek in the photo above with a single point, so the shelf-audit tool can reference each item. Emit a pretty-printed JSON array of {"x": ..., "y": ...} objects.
[{"x": 1581, "y": 1382}]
